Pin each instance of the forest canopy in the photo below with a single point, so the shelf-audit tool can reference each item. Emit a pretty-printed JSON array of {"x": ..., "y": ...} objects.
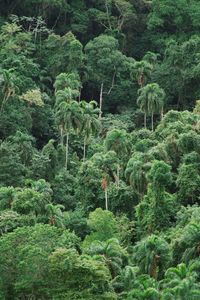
[{"x": 100, "y": 150}]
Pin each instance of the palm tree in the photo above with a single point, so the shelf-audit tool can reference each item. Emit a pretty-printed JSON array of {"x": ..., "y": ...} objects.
[
  {"x": 91, "y": 124},
  {"x": 151, "y": 99},
  {"x": 142, "y": 102},
  {"x": 55, "y": 214},
  {"x": 67, "y": 80},
  {"x": 180, "y": 283},
  {"x": 135, "y": 172},
  {"x": 69, "y": 115},
  {"x": 118, "y": 141},
  {"x": 152, "y": 255},
  {"x": 142, "y": 71},
  {"x": 65, "y": 95},
  {"x": 114, "y": 255},
  {"x": 126, "y": 278},
  {"x": 109, "y": 164},
  {"x": 7, "y": 82}
]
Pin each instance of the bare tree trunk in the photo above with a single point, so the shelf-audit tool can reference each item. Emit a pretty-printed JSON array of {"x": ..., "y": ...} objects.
[
  {"x": 154, "y": 267},
  {"x": 152, "y": 121},
  {"x": 106, "y": 198},
  {"x": 67, "y": 151},
  {"x": 101, "y": 101},
  {"x": 108, "y": 17},
  {"x": 84, "y": 149},
  {"x": 79, "y": 97},
  {"x": 162, "y": 113},
  {"x": 145, "y": 120},
  {"x": 61, "y": 136},
  {"x": 118, "y": 170}
]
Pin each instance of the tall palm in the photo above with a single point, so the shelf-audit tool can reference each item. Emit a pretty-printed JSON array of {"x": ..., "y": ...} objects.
[
  {"x": 118, "y": 141},
  {"x": 142, "y": 102},
  {"x": 151, "y": 99},
  {"x": 180, "y": 283},
  {"x": 152, "y": 255},
  {"x": 109, "y": 163},
  {"x": 142, "y": 71},
  {"x": 70, "y": 116},
  {"x": 7, "y": 82},
  {"x": 55, "y": 214},
  {"x": 135, "y": 172},
  {"x": 67, "y": 80},
  {"x": 113, "y": 254},
  {"x": 91, "y": 124}
]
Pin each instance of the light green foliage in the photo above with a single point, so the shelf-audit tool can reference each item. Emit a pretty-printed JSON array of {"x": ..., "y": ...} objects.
[
  {"x": 33, "y": 97},
  {"x": 103, "y": 225}
]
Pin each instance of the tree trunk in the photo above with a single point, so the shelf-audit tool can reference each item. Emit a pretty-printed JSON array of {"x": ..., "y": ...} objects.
[
  {"x": 145, "y": 120},
  {"x": 106, "y": 198},
  {"x": 61, "y": 136},
  {"x": 67, "y": 150},
  {"x": 84, "y": 149},
  {"x": 118, "y": 170},
  {"x": 152, "y": 121},
  {"x": 162, "y": 113},
  {"x": 101, "y": 101},
  {"x": 154, "y": 267}
]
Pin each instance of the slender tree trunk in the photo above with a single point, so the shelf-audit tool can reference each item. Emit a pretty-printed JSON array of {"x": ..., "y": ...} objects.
[
  {"x": 154, "y": 267},
  {"x": 152, "y": 121},
  {"x": 101, "y": 101},
  {"x": 61, "y": 136},
  {"x": 84, "y": 149},
  {"x": 118, "y": 170},
  {"x": 67, "y": 150},
  {"x": 106, "y": 198},
  {"x": 162, "y": 113},
  {"x": 145, "y": 120}
]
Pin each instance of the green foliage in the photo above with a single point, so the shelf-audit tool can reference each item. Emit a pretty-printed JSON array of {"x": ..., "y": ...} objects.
[
  {"x": 93, "y": 205},
  {"x": 152, "y": 255}
]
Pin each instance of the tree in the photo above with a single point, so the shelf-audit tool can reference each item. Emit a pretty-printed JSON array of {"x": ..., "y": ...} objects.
[
  {"x": 151, "y": 99},
  {"x": 105, "y": 63},
  {"x": 62, "y": 54},
  {"x": 33, "y": 97},
  {"x": 55, "y": 214},
  {"x": 180, "y": 283},
  {"x": 142, "y": 71},
  {"x": 25, "y": 260},
  {"x": 118, "y": 141},
  {"x": 135, "y": 172},
  {"x": 66, "y": 265},
  {"x": 187, "y": 247},
  {"x": 112, "y": 253},
  {"x": 8, "y": 83},
  {"x": 69, "y": 115},
  {"x": 103, "y": 226},
  {"x": 152, "y": 255},
  {"x": 91, "y": 124},
  {"x": 67, "y": 80},
  {"x": 156, "y": 210},
  {"x": 67, "y": 87},
  {"x": 12, "y": 170}
]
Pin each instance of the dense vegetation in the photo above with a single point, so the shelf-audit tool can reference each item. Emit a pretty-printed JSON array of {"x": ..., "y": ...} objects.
[{"x": 100, "y": 149}]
